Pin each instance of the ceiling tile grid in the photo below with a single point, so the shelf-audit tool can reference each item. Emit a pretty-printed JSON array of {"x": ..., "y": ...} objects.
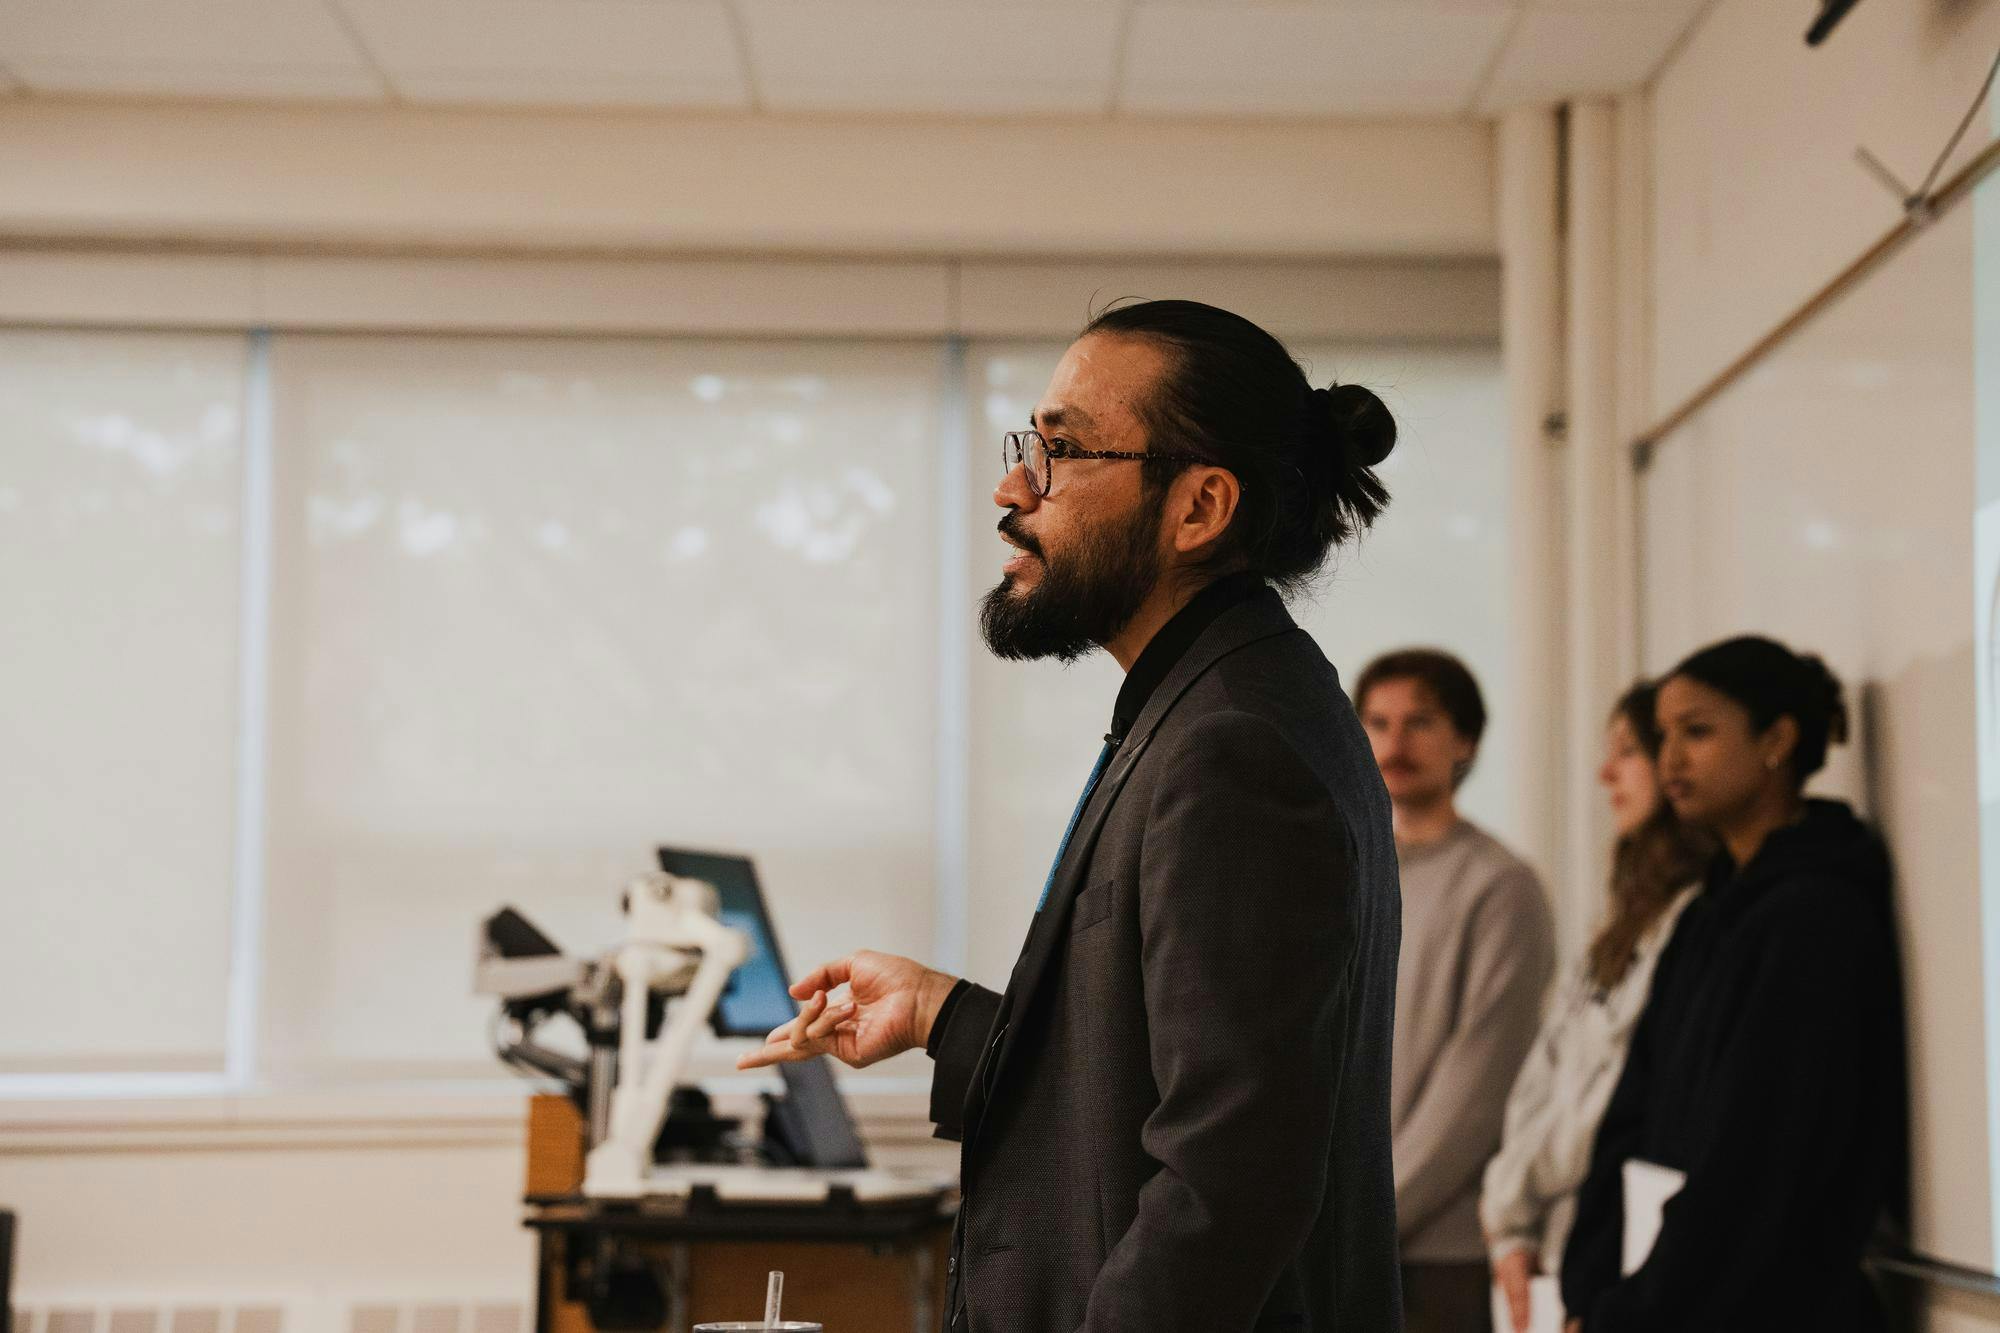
[
  {"x": 683, "y": 53},
  {"x": 1309, "y": 60},
  {"x": 1225, "y": 58},
  {"x": 1580, "y": 48},
  {"x": 208, "y": 48},
  {"x": 920, "y": 56}
]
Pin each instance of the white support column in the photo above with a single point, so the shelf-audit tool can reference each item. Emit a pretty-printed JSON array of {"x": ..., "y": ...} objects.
[
  {"x": 1597, "y": 601},
  {"x": 952, "y": 886},
  {"x": 1635, "y": 365},
  {"x": 247, "y": 898},
  {"x": 1531, "y": 351}
]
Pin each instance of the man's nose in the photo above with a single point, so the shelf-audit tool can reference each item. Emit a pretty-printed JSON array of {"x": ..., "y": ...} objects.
[{"x": 1013, "y": 492}]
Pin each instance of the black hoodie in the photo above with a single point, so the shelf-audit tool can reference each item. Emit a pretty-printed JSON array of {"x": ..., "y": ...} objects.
[{"x": 1768, "y": 1066}]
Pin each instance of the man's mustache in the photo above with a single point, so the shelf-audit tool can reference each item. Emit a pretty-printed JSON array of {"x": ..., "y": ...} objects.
[{"x": 1010, "y": 528}]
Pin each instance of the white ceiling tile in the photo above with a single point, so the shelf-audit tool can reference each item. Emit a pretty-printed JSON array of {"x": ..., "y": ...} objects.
[
  {"x": 652, "y": 52},
  {"x": 202, "y": 47},
  {"x": 916, "y": 55},
  {"x": 1360, "y": 59},
  {"x": 1578, "y": 49}
]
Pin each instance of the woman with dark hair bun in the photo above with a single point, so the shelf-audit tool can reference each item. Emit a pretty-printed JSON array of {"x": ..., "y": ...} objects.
[
  {"x": 1764, "y": 1091},
  {"x": 1529, "y": 1191}
]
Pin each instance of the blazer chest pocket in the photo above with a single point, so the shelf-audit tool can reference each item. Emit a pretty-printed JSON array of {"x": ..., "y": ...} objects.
[{"x": 1093, "y": 906}]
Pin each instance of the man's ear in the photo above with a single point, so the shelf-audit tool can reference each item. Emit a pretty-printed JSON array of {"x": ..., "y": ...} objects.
[{"x": 1204, "y": 501}]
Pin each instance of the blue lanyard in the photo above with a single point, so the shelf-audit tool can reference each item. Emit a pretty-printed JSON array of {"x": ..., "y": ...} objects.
[{"x": 1096, "y": 772}]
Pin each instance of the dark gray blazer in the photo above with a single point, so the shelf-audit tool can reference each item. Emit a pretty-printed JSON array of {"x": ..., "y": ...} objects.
[{"x": 1177, "y": 1116}]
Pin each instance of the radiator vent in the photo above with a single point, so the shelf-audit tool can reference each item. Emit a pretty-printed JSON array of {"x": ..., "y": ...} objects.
[
  {"x": 307, "y": 1315},
  {"x": 438, "y": 1317},
  {"x": 125, "y": 1316}
]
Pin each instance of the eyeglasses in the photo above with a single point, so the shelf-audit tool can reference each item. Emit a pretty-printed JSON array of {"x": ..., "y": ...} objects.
[{"x": 1027, "y": 448}]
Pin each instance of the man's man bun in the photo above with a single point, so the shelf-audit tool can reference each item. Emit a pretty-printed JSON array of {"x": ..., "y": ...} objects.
[{"x": 1355, "y": 422}]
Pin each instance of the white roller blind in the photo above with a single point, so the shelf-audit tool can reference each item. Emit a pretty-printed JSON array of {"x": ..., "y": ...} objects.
[
  {"x": 536, "y": 605},
  {"x": 120, "y": 536},
  {"x": 1434, "y": 570},
  {"x": 542, "y": 604}
]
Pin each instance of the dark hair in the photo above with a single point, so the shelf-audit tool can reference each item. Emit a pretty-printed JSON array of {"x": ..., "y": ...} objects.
[
  {"x": 1305, "y": 457},
  {"x": 1650, "y": 864},
  {"x": 1772, "y": 681},
  {"x": 1448, "y": 680}
]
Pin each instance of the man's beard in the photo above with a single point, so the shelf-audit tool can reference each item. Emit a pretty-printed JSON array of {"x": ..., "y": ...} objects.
[{"x": 1085, "y": 598}]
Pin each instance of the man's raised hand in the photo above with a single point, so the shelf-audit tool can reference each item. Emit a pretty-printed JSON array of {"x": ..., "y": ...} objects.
[{"x": 888, "y": 1009}]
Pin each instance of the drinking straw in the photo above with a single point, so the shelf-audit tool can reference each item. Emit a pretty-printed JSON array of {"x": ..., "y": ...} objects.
[{"x": 772, "y": 1295}]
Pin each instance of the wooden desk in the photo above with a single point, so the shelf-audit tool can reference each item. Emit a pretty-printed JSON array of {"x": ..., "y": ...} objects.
[{"x": 855, "y": 1270}]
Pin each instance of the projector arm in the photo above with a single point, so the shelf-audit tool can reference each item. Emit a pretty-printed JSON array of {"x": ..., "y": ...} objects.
[
  {"x": 531, "y": 988},
  {"x": 523, "y": 1052},
  {"x": 674, "y": 944}
]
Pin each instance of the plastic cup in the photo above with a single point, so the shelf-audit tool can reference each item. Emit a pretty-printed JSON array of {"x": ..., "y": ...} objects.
[{"x": 758, "y": 1325}]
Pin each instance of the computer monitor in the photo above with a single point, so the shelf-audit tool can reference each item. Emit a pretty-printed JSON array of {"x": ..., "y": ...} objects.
[{"x": 811, "y": 1122}]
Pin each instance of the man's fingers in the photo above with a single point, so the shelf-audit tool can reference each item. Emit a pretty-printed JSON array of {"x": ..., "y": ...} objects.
[
  {"x": 764, "y": 1056},
  {"x": 783, "y": 1053},
  {"x": 824, "y": 977},
  {"x": 808, "y": 1014},
  {"x": 829, "y": 1020},
  {"x": 816, "y": 1024}
]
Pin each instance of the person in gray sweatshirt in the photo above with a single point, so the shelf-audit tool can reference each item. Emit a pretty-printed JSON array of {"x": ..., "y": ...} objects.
[{"x": 1477, "y": 957}]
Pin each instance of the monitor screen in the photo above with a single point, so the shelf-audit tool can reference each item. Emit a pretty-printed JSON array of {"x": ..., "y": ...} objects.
[
  {"x": 758, "y": 997},
  {"x": 810, "y": 1125}
]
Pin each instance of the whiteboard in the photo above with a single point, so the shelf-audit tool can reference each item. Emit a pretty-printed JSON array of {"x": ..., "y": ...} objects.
[{"x": 1827, "y": 499}]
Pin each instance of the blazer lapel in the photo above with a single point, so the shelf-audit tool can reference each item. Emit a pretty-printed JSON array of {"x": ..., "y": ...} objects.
[{"x": 1261, "y": 618}]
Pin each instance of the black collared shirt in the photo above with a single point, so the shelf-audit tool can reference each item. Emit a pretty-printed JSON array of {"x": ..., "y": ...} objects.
[
  {"x": 1167, "y": 647},
  {"x": 1156, "y": 660}
]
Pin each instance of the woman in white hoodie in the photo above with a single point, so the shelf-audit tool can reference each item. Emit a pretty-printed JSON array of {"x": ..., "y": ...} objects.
[{"x": 1529, "y": 1193}]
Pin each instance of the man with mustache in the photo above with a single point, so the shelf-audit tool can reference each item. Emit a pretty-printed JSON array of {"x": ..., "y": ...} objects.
[
  {"x": 1176, "y": 1116},
  {"x": 1478, "y": 953}
]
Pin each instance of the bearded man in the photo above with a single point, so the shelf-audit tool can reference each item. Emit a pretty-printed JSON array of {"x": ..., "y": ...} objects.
[{"x": 1176, "y": 1116}]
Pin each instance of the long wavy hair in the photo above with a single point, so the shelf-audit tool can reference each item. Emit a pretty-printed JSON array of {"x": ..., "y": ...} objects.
[{"x": 1650, "y": 864}]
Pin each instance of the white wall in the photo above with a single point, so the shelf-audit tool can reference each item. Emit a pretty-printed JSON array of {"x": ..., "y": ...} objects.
[
  {"x": 325, "y": 1221},
  {"x": 405, "y": 176},
  {"x": 1757, "y": 202},
  {"x": 309, "y": 1203},
  {"x": 1758, "y": 198}
]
